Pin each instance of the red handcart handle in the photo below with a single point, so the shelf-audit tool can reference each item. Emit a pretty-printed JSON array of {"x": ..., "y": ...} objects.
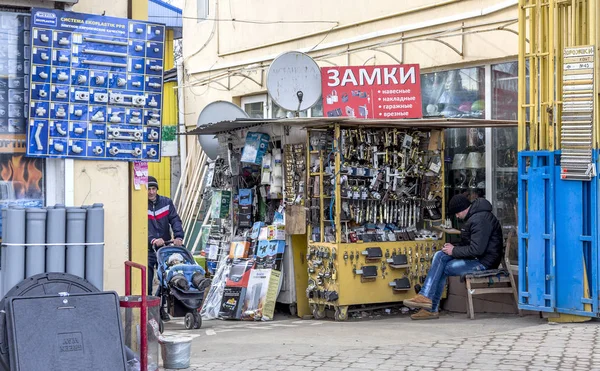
[{"x": 143, "y": 310}]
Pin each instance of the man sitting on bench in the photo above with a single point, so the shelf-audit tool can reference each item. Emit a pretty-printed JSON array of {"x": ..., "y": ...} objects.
[{"x": 481, "y": 248}]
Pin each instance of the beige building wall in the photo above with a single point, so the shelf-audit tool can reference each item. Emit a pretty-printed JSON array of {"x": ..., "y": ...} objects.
[
  {"x": 226, "y": 60},
  {"x": 107, "y": 182},
  {"x": 91, "y": 182}
]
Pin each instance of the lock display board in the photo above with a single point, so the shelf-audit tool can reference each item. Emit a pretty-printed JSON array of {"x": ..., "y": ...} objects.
[
  {"x": 372, "y": 92},
  {"x": 96, "y": 87},
  {"x": 357, "y": 279},
  {"x": 374, "y": 197}
]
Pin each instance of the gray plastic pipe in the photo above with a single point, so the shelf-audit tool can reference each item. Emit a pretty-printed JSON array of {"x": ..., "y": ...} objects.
[
  {"x": 2, "y": 253},
  {"x": 4, "y": 222},
  {"x": 14, "y": 270},
  {"x": 94, "y": 254},
  {"x": 76, "y": 235},
  {"x": 56, "y": 234},
  {"x": 35, "y": 260}
]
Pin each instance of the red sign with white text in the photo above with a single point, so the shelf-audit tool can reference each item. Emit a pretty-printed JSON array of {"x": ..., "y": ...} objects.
[{"x": 372, "y": 92}]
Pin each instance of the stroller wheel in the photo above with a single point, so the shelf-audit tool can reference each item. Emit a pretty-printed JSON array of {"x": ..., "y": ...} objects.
[
  {"x": 189, "y": 321},
  {"x": 197, "y": 320}
]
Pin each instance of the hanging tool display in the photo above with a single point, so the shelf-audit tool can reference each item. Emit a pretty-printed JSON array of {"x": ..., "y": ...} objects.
[
  {"x": 374, "y": 194},
  {"x": 295, "y": 173}
]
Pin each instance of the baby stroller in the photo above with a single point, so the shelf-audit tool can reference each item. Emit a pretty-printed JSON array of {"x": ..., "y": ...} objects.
[{"x": 181, "y": 284}]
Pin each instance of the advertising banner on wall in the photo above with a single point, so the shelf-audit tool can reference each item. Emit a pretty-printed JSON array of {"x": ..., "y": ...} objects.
[
  {"x": 96, "y": 87},
  {"x": 372, "y": 92}
]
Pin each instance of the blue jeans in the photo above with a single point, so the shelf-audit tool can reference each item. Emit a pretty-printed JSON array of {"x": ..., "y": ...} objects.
[{"x": 444, "y": 266}]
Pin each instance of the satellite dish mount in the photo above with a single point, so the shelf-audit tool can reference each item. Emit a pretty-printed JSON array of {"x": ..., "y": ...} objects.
[{"x": 294, "y": 82}]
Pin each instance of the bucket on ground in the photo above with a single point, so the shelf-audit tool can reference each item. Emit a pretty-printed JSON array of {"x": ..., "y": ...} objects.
[{"x": 176, "y": 351}]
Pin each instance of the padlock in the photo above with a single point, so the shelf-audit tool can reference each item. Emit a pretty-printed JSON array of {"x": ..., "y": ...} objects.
[{"x": 334, "y": 96}]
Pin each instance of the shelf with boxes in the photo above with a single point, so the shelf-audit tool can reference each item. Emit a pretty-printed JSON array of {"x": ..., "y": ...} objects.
[
  {"x": 267, "y": 180},
  {"x": 374, "y": 197}
]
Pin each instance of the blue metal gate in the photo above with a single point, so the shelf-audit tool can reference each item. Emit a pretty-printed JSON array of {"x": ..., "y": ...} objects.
[
  {"x": 537, "y": 277},
  {"x": 558, "y": 238}
]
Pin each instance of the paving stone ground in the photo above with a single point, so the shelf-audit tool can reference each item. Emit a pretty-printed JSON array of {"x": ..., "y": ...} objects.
[{"x": 540, "y": 347}]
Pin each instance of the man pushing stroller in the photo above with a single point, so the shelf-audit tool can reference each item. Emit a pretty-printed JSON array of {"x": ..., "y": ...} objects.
[{"x": 162, "y": 218}]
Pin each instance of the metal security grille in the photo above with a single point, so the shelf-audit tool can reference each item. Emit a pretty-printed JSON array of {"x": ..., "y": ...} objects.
[{"x": 577, "y": 114}]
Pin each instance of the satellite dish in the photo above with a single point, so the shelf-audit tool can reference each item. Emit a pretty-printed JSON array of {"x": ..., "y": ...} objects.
[
  {"x": 216, "y": 112},
  {"x": 294, "y": 81}
]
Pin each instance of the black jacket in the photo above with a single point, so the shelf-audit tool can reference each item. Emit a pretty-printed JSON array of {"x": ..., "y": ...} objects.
[
  {"x": 481, "y": 236},
  {"x": 162, "y": 217}
]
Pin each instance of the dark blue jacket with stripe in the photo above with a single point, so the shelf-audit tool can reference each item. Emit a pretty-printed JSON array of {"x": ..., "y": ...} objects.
[{"x": 162, "y": 217}]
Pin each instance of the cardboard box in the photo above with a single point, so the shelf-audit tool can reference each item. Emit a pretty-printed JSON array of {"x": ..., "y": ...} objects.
[
  {"x": 244, "y": 220},
  {"x": 270, "y": 248},
  {"x": 262, "y": 235},
  {"x": 245, "y": 197},
  {"x": 256, "y": 230},
  {"x": 239, "y": 249},
  {"x": 272, "y": 233},
  {"x": 232, "y": 302},
  {"x": 239, "y": 273},
  {"x": 275, "y": 232},
  {"x": 221, "y": 200},
  {"x": 263, "y": 288},
  {"x": 255, "y": 147},
  {"x": 268, "y": 262},
  {"x": 489, "y": 303}
]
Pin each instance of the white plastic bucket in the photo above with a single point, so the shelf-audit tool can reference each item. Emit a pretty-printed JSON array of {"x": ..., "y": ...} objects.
[{"x": 176, "y": 351}]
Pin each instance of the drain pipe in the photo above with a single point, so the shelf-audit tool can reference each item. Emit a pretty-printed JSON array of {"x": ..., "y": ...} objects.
[{"x": 181, "y": 120}]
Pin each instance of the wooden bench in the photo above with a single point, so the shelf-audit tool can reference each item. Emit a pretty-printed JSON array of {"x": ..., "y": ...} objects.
[{"x": 486, "y": 282}]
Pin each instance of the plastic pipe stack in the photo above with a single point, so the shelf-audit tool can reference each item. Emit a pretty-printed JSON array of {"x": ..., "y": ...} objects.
[
  {"x": 76, "y": 236},
  {"x": 35, "y": 262},
  {"x": 13, "y": 271},
  {"x": 56, "y": 235},
  {"x": 52, "y": 239},
  {"x": 94, "y": 254}
]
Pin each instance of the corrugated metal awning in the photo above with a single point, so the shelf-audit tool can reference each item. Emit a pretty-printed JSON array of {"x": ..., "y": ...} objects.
[
  {"x": 167, "y": 14},
  {"x": 319, "y": 122}
]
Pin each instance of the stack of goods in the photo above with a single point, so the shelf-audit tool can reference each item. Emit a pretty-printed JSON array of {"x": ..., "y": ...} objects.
[{"x": 254, "y": 278}]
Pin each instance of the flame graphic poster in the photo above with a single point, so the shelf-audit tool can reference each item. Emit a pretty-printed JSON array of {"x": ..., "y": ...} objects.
[{"x": 21, "y": 181}]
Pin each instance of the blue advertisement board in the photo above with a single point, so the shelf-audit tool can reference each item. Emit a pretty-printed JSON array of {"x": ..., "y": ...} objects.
[{"x": 96, "y": 87}]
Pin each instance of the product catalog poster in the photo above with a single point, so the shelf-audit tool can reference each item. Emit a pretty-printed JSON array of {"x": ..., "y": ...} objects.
[
  {"x": 372, "y": 92},
  {"x": 14, "y": 80},
  {"x": 96, "y": 87}
]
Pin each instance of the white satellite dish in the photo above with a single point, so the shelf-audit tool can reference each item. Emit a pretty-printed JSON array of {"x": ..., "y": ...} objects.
[
  {"x": 294, "y": 81},
  {"x": 217, "y": 111}
]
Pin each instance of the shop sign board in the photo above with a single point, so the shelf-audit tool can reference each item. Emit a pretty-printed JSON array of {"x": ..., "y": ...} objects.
[
  {"x": 96, "y": 87},
  {"x": 372, "y": 92},
  {"x": 578, "y": 87}
]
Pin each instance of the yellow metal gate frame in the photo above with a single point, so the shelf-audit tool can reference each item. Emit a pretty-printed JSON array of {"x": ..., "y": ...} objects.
[{"x": 546, "y": 27}]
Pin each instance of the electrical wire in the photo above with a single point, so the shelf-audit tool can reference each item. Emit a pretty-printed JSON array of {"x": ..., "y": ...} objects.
[
  {"x": 212, "y": 34},
  {"x": 323, "y": 39},
  {"x": 250, "y": 21},
  {"x": 389, "y": 42}
]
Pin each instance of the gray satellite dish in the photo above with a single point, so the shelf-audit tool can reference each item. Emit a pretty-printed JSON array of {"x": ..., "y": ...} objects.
[
  {"x": 217, "y": 112},
  {"x": 294, "y": 81}
]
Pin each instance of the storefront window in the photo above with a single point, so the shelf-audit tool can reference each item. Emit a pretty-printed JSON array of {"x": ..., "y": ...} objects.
[
  {"x": 21, "y": 178},
  {"x": 459, "y": 94},
  {"x": 317, "y": 109},
  {"x": 505, "y": 88},
  {"x": 505, "y": 91},
  {"x": 255, "y": 110},
  {"x": 455, "y": 93}
]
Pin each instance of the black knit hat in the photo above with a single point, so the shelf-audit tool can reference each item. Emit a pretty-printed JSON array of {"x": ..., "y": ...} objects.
[
  {"x": 152, "y": 182},
  {"x": 458, "y": 203}
]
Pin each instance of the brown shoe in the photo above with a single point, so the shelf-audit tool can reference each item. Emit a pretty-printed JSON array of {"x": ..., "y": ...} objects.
[
  {"x": 425, "y": 314},
  {"x": 418, "y": 301}
]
